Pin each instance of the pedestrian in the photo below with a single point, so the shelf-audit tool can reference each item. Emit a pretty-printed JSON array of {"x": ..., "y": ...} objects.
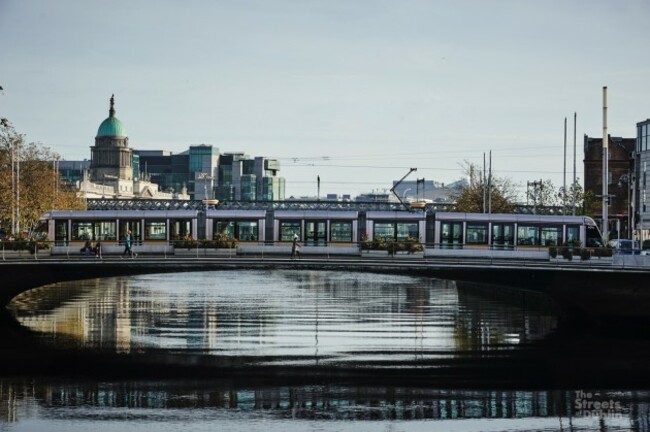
[
  {"x": 128, "y": 242},
  {"x": 295, "y": 247},
  {"x": 87, "y": 247},
  {"x": 97, "y": 250}
]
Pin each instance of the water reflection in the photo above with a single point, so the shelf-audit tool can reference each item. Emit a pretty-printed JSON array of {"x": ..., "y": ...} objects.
[
  {"x": 144, "y": 402},
  {"x": 290, "y": 346},
  {"x": 314, "y": 318}
]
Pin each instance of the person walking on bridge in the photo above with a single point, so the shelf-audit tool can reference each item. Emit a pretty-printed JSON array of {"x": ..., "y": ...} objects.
[
  {"x": 295, "y": 247},
  {"x": 128, "y": 242}
]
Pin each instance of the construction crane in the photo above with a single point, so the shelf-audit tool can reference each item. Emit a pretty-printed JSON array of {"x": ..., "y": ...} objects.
[{"x": 397, "y": 183}]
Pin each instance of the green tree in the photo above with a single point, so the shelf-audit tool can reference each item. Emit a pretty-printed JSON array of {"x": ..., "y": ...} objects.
[
  {"x": 36, "y": 186},
  {"x": 470, "y": 198}
]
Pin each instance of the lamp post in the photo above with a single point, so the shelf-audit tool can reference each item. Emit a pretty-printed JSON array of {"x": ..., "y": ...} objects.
[{"x": 205, "y": 177}]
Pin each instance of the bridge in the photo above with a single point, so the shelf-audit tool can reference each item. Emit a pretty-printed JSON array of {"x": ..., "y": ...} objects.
[{"x": 601, "y": 296}]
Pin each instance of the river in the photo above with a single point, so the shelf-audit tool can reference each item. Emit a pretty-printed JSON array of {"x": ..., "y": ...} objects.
[{"x": 312, "y": 350}]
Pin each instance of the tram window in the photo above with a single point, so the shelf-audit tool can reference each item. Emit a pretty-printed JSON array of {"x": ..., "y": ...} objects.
[
  {"x": 551, "y": 236},
  {"x": 406, "y": 230},
  {"x": 502, "y": 234},
  {"x": 477, "y": 234},
  {"x": 451, "y": 233},
  {"x": 384, "y": 230},
  {"x": 155, "y": 230},
  {"x": 572, "y": 233},
  {"x": 134, "y": 227},
  {"x": 61, "y": 232},
  {"x": 105, "y": 230},
  {"x": 240, "y": 230},
  {"x": 226, "y": 228},
  {"x": 82, "y": 230},
  {"x": 288, "y": 229},
  {"x": 528, "y": 235},
  {"x": 247, "y": 230},
  {"x": 341, "y": 232},
  {"x": 181, "y": 228}
]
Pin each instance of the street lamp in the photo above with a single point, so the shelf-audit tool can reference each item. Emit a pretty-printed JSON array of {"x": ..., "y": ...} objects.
[{"x": 205, "y": 177}]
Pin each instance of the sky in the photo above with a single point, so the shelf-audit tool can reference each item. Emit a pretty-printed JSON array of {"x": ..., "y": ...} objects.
[{"x": 356, "y": 92}]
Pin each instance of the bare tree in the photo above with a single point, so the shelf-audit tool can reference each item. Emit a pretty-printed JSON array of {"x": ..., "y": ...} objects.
[{"x": 470, "y": 199}]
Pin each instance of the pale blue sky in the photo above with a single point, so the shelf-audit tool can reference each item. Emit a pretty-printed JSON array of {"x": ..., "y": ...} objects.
[{"x": 369, "y": 88}]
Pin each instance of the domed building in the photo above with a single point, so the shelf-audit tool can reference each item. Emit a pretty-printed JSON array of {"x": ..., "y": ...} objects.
[
  {"x": 112, "y": 173},
  {"x": 111, "y": 156}
]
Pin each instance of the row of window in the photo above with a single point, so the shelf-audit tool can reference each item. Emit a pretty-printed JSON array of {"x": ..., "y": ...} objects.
[
  {"x": 315, "y": 232},
  {"x": 504, "y": 234},
  {"x": 108, "y": 230}
]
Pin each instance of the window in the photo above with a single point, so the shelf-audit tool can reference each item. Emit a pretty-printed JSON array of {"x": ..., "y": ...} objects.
[
  {"x": 94, "y": 230},
  {"x": 406, "y": 230},
  {"x": 502, "y": 234},
  {"x": 105, "y": 230},
  {"x": 226, "y": 228},
  {"x": 155, "y": 230},
  {"x": 385, "y": 230},
  {"x": 247, "y": 231},
  {"x": 60, "y": 232},
  {"x": 288, "y": 229},
  {"x": 180, "y": 228},
  {"x": 551, "y": 236},
  {"x": 240, "y": 230},
  {"x": 82, "y": 230},
  {"x": 477, "y": 233},
  {"x": 572, "y": 233},
  {"x": 316, "y": 232},
  {"x": 135, "y": 226},
  {"x": 451, "y": 234},
  {"x": 341, "y": 232},
  {"x": 527, "y": 235}
]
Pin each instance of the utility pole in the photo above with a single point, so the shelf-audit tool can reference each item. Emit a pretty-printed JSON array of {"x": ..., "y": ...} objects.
[
  {"x": 490, "y": 186},
  {"x": 564, "y": 173},
  {"x": 483, "y": 184},
  {"x": 605, "y": 191},
  {"x": 575, "y": 122},
  {"x": 535, "y": 185}
]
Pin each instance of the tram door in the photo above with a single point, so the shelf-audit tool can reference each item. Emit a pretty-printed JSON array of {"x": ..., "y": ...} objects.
[
  {"x": 502, "y": 235},
  {"x": 451, "y": 235},
  {"x": 316, "y": 232}
]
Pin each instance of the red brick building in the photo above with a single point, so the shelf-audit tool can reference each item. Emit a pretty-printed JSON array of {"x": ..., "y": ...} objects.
[{"x": 621, "y": 164}]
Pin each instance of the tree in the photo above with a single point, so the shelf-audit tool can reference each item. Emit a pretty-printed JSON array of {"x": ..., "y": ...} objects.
[
  {"x": 470, "y": 197},
  {"x": 542, "y": 193},
  {"x": 29, "y": 182}
]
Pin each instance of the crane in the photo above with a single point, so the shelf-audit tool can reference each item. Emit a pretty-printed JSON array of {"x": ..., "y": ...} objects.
[{"x": 397, "y": 183}]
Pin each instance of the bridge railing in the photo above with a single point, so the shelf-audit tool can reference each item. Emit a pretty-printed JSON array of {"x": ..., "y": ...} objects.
[{"x": 402, "y": 250}]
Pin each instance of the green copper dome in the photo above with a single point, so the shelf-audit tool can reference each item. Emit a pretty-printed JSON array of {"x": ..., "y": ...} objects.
[{"x": 111, "y": 126}]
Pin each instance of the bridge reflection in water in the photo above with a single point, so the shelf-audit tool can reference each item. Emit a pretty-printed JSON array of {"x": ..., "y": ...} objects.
[
  {"x": 286, "y": 317},
  {"x": 257, "y": 346},
  {"x": 146, "y": 401}
]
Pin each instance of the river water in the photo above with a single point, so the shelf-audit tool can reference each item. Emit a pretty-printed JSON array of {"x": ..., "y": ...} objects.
[{"x": 313, "y": 350}]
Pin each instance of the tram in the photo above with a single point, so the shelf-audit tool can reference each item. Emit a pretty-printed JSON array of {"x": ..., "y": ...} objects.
[
  {"x": 319, "y": 226},
  {"x": 513, "y": 230}
]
